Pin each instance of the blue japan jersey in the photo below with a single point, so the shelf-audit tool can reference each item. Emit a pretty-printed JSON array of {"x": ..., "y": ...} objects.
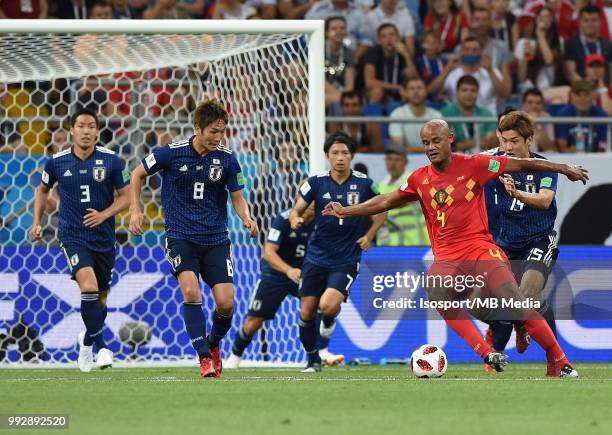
[
  {"x": 84, "y": 184},
  {"x": 516, "y": 225},
  {"x": 291, "y": 244},
  {"x": 334, "y": 241},
  {"x": 194, "y": 190}
]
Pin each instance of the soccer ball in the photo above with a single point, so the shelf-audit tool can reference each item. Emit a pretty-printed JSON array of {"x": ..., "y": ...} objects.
[
  {"x": 428, "y": 361},
  {"x": 135, "y": 333}
]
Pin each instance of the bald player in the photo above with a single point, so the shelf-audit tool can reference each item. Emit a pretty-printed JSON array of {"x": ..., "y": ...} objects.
[{"x": 451, "y": 193}]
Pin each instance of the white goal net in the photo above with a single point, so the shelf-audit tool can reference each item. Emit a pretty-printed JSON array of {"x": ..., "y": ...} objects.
[{"x": 144, "y": 80}]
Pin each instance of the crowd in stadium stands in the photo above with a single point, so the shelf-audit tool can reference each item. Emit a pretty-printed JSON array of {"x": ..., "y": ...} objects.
[{"x": 416, "y": 59}]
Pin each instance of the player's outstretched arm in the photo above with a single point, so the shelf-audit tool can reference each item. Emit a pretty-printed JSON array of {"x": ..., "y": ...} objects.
[
  {"x": 542, "y": 199},
  {"x": 40, "y": 203},
  {"x": 295, "y": 217},
  {"x": 277, "y": 263},
  {"x": 572, "y": 172},
  {"x": 242, "y": 210},
  {"x": 375, "y": 205},
  {"x": 378, "y": 220},
  {"x": 136, "y": 216},
  {"x": 93, "y": 218}
]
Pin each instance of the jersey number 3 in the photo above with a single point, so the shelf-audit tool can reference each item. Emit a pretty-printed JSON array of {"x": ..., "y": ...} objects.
[{"x": 85, "y": 197}]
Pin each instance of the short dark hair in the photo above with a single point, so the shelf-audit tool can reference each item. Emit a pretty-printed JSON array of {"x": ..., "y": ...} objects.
[
  {"x": 83, "y": 111},
  {"x": 433, "y": 33},
  {"x": 414, "y": 78},
  {"x": 333, "y": 18},
  {"x": 507, "y": 110},
  {"x": 97, "y": 4},
  {"x": 486, "y": 11},
  {"x": 468, "y": 80},
  {"x": 384, "y": 26},
  {"x": 471, "y": 39},
  {"x": 533, "y": 91},
  {"x": 340, "y": 137},
  {"x": 350, "y": 94},
  {"x": 209, "y": 112},
  {"x": 589, "y": 9}
]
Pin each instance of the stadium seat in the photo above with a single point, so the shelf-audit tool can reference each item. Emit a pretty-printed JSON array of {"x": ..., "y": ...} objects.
[{"x": 19, "y": 105}]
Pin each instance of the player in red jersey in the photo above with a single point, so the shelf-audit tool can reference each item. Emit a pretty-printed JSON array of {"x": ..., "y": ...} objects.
[{"x": 450, "y": 191}]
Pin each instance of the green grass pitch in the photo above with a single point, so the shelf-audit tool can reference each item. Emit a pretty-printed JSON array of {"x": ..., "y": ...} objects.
[{"x": 344, "y": 400}]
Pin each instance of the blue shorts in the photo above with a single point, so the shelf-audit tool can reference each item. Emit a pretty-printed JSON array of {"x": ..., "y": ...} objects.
[
  {"x": 270, "y": 293},
  {"x": 102, "y": 263},
  {"x": 316, "y": 279},
  {"x": 213, "y": 263}
]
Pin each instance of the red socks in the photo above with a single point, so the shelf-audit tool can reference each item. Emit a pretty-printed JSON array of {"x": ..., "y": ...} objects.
[{"x": 459, "y": 321}]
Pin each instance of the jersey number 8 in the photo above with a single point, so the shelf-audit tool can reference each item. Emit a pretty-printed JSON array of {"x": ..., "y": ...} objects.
[{"x": 198, "y": 190}]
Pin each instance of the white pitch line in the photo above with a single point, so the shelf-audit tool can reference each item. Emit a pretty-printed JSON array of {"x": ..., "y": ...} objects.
[{"x": 301, "y": 379}]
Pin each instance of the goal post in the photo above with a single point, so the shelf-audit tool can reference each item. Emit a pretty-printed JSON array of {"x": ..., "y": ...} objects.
[
  {"x": 144, "y": 78},
  {"x": 313, "y": 28}
]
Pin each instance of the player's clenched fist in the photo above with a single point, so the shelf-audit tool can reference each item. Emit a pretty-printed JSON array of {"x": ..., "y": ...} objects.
[
  {"x": 34, "y": 233},
  {"x": 136, "y": 221},
  {"x": 295, "y": 221},
  {"x": 251, "y": 225},
  {"x": 294, "y": 274}
]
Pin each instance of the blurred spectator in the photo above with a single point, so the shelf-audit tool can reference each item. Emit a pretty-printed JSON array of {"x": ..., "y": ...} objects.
[
  {"x": 466, "y": 106},
  {"x": 167, "y": 10},
  {"x": 265, "y": 9},
  {"x": 496, "y": 50},
  {"x": 563, "y": 11},
  {"x": 405, "y": 226},
  {"x": 123, "y": 10},
  {"x": 70, "y": 10},
  {"x": 504, "y": 25},
  {"x": 586, "y": 42},
  {"x": 368, "y": 136},
  {"x": 544, "y": 136},
  {"x": 540, "y": 61},
  {"x": 388, "y": 11},
  {"x": 100, "y": 10},
  {"x": 233, "y": 10},
  {"x": 59, "y": 141},
  {"x": 339, "y": 61},
  {"x": 275, "y": 188},
  {"x": 595, "y": 71},
  {"x": 445, "y": 18},
  {"x": 14, "y": 145},
  {"x": 409, "y": 135},
  {"x": 24, "y": 9},
  {"x": 179, "y": 107},
  {"x": 604, "y": 30},
  {"x": 582, "y": 137},
  {"x": 430, "y": 64},
  {"x": 137, "y": 7},
  {"x": 387, "y": 65},
  {"x": 353, "y": 15},
  {"x": 472, "y": 62},
  {"x": 295, "y": 9}
]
